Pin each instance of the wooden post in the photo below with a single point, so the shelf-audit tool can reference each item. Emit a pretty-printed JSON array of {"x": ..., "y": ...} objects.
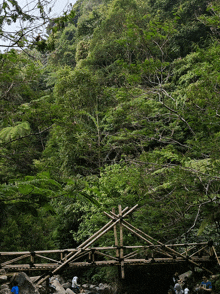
[
  {"x": 93, "y": 256},
  {"x": 90, "y": 256},
  {"x": 121, "y": 243},
  {"x": 186, "y": 250},
  {"x": 116, "y": 237},
  {"x": 32, "y": 258}
]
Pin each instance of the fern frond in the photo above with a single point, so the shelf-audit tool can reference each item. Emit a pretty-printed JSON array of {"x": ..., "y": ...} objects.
[{"x": 15, "y": 132}]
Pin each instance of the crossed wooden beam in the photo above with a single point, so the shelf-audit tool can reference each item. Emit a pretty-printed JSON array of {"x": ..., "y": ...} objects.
[
  {"x": 119, "y": 219},
  {"x": 112, "y": 223}
]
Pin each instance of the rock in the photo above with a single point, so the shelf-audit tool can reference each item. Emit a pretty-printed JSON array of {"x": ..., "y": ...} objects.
[
  {"x": 3, "y": 286},
  {"x": 58, "y": 278},
  {"x": 92, "y": 286},
  {"x": 42, "y": 289},
  {"x": 4, "y": 289},
  {"x": 69, "y": 291},
  {"x": 3, "y": 279},
  {"x": 25, "y": 284},
  {"x": 186, "y": 274},
  {"x": 57, "y": 286},
  {"x": 104, "y": 289},
  {"x": 66, "y": 285},
  {"x": 33, "y": 279}
]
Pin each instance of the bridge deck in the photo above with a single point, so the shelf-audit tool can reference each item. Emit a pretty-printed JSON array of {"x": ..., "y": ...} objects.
[{"x": 50, "y": 266}]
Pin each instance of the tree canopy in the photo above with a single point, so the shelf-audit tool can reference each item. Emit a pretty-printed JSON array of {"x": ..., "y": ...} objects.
[{"x": 123, "y": 108}]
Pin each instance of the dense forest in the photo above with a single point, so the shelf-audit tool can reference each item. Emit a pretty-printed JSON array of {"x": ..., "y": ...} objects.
[{"x": 120, "y": 104}]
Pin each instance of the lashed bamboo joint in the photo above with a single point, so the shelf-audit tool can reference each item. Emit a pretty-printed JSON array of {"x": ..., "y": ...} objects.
[{"x": 151, "y": 253}]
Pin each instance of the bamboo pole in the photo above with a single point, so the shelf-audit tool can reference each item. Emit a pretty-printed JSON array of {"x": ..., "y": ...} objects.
[
  {"x": 94, "y": 235},
  {"x": 15, "y": 259},
  {"x": 131, "y": 254},
  {"x": 189, "y": 249},
  {"x": 114, "y": 215},
  {"x": 90, "y": 238},
  {"x": 38, "y": 252},
  {"x": 213, "y": 248},
  {"x": 171, "y": 250},
  {"x": 146, "y": 240},
  {"x": 93, "y": 256},
  {"x": 32, "y": 259},
  {"x": 80, "y": 255},
  {"x": 121, "y": 243},
  {"x": 116, "y": 237},
  {"x": 101, "y": 263},
  {"x": 75, "y": 249},
  {"x": 110, "y": 225},
  {"x": 47, "y": 258},
  {"x": 129, "y": 211},
  {"x": 198, "y": 251},
  {"x": 106, "y": 255}
]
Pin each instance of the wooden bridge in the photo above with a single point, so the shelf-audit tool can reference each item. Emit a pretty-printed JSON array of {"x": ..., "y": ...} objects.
[{"x": 153, "y": 252}]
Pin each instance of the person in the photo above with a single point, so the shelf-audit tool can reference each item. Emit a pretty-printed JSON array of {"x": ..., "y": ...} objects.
[
  {"x": 175, "y": 279},
  {"x": 170, "y": 291},
  {"x": 205, "y": 286},
  {"x": 75, "y": 285},
  {"x": 178, "y": 288},
  {"x": 186, "y": 289},
  {"x": 52, "y": 287},
  {"x": 15, "y": 288}
]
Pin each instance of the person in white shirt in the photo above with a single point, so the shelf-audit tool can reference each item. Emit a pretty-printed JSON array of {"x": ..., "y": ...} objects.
[
  {"x": 185, "y": 289},
  {"x": 178, "y": 288},
  {"x": 75, "y": 285}
]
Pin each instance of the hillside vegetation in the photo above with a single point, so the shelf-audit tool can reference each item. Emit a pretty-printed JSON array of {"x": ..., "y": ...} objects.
[{"x": 120, "y": 105}]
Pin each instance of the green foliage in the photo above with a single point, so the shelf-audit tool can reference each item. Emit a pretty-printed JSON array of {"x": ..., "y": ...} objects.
[
  {"x": 10, "y": 133},
  {"x": 124, "y": 109}
]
